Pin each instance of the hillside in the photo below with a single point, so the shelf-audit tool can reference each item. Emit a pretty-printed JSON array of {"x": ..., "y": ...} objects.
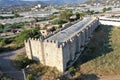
[
  {"x": 93, "y": 1},
  {"x": 107, "y": 2},
  {"x": 102, "y": 55},
  {"x": 18, "y": 2},
  {"x": 25, "y": 2},
  {"x": 64, "y": 1}
]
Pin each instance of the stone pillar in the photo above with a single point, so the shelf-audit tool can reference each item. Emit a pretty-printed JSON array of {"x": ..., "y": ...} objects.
[
  {"x": 74, "y": 48},
  {"x": 89, "y": 32},
  {"x": 85, "y": 31},
  {"x": 86, "y": 35},
  {"x": 97, "y": 23},
  {"x": 28, "y": 49},
  {"x": 83, "y": 38},
  {"x": 92, "y": 26},
  {"x": 78, "y": 42}
]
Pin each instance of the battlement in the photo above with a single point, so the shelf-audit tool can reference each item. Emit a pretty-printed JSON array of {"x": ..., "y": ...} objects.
[
  {"x": 61, "y": 29},
  {"x": 50, "y": 41},
  {"x": 33, "y": 39},
  {"x": 64, "y": 35},
  {"x": 58, "y": 30},
  {"x": 61, "y": 38}
]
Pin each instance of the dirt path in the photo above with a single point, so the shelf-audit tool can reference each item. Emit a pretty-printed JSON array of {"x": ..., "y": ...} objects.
[
  {"x": 7, "y": 66},
  {"x": 110, "y": 78}
]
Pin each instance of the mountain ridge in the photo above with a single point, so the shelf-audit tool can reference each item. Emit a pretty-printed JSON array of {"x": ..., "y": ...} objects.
[
  {"x": 64, "y": 1},
  {"x": 25, "y": 2},
  {"x": 18, "y": 2},
  {"x": 28, "y": 2}
]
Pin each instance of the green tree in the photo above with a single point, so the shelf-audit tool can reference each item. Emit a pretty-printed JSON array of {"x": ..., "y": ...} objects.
[
  {"x": 4, "y": 78},
  {"x": 16, "y": 15},
  {"x": 59, "y": 22},
  {"x": 78, "y": 15},
  {"x": 109, "y": 8},
  {"x": 2, "y": 43},
  {"x": 52, "y": 17},
  {"x": 30, "y": 77},
  {"x": 5, "y": 41},
  {"x": 82, "y": 15},
  {"x": 52, "y": 29},
  {"x": 65, "y": 15},
  {"x": 36, "y": 19},
  {"x": 1, "y": 26},
  {"x": 23, "y": 61},
  {"x": 90, "y": 12},
  {"x": 25, "y": 34},
  {"x": 104, "y": 9}
]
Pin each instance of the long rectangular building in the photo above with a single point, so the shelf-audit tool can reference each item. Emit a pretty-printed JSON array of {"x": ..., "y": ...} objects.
[{"x": 60, "y": 50}]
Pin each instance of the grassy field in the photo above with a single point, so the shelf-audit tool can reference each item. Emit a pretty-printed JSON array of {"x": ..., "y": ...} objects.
[
  {"x": 102, "y": 55},
  {"x": 43, "y": 72}
]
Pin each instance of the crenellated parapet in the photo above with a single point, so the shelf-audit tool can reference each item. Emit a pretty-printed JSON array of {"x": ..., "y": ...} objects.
[
  {"x": 33, "y": 39},
  {"x": 58, "y": 30},
  {"x": 50, "y": 41},
  {"x": 68, "y": 41},
  {"x": 90, "y": 24}
]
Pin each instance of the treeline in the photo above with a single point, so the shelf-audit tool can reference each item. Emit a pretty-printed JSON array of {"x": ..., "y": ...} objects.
[{"x": 18, "y": 41}]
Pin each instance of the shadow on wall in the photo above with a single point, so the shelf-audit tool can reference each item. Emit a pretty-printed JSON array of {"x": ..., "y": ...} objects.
[
  {"x": 99, "y": 45},
  {"x": 87, "y": 77}
]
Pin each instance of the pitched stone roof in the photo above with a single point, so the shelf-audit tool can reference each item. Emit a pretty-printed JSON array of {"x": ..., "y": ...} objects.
[{"x": 71, "y": 31}]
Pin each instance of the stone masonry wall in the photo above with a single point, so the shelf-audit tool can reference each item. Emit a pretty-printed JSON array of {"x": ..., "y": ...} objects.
[
  {"x": 53, "y": 55},
  {"x": 74, "y": 45}
]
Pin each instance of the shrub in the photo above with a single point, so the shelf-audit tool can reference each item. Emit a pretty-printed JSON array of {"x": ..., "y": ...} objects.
[
  {"x": 5, "y": 78},
  {"x": 22, "y": 61},
  {"x": 59, "y": 22},
  {"x": 44, "y": 72},
  {"x": 65, "y": 15},
  {"x": 30, "y": 77},
  {"x": 5, "y": 41},
  {"x": 24, "y": 35},
  {"x": 71, "y": 69}
]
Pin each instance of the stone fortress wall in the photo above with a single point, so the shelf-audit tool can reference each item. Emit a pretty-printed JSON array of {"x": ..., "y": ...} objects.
[
  {"x": 47, "y": 52},
  {"x": 57, "y": 51}
]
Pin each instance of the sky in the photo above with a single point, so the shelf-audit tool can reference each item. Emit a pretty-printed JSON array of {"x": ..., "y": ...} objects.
[{"x": 34, "y": 0}]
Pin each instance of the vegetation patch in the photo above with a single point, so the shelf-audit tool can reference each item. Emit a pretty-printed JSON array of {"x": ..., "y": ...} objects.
[
  {"x": 102, "y": 55},
  {"x": 43, "y": 72},
  {"x": 7, "y": 44},
  {"x": 22, "y": 61}
]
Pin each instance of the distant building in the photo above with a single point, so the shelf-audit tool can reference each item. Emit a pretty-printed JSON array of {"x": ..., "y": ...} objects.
[
  {"x": 113, "y": 21},
  {"x": 34, "y": 14},
  {"x": 42, "y": 24},
  {"x": 16, "y": 20},
  {"x": 44, "y": 32}
]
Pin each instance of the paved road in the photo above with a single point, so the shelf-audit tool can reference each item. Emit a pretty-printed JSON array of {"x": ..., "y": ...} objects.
[
  {"x": 110, "y": 78},
  {"x": 7, "y": 66}
]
